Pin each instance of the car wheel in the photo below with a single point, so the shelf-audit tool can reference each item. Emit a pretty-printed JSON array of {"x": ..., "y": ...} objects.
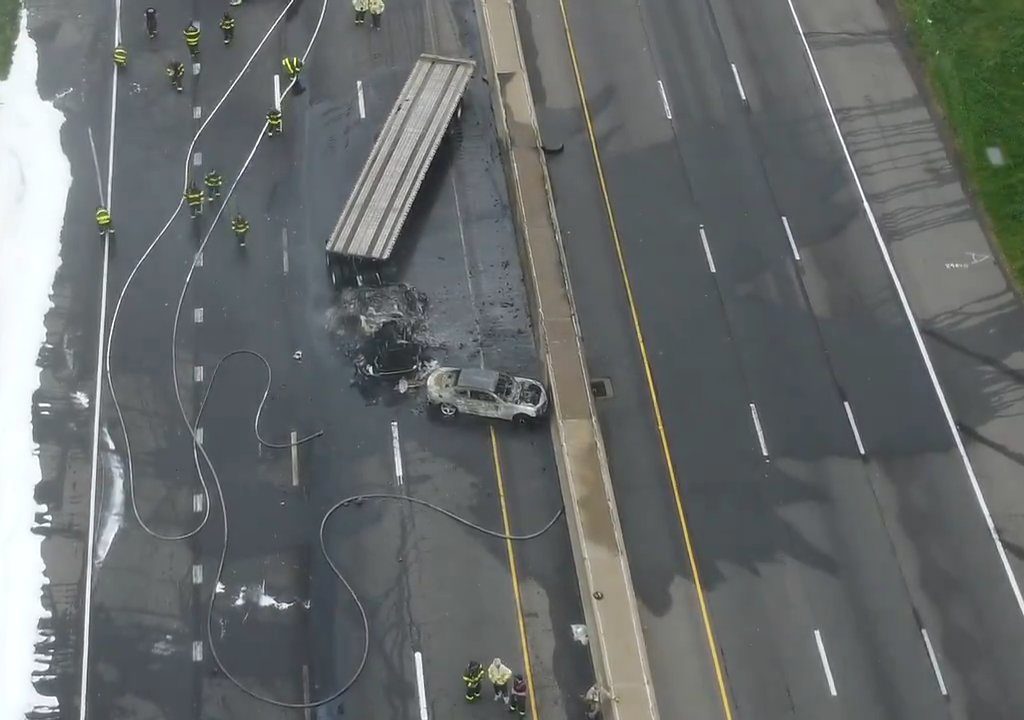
[
  {"x": 448, "y": 410},
  {"x": 521, "y": 420}
]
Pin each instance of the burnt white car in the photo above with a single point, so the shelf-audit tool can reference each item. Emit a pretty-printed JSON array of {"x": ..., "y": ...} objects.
[{"x": 487, "y": 393}]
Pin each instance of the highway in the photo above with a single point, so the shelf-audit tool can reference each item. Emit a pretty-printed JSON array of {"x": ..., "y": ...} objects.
[
  {"x": 436, "y": 593},
  {"x": 768, "y": 388}
]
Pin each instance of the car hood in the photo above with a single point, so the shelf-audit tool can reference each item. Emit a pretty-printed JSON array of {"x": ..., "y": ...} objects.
[{"x": 528, "y": 392}]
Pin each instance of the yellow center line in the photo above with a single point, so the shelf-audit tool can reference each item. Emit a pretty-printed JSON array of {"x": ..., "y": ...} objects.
[
  {"x": 652, "y": 391},
  {"x": 515, "y": 574}
]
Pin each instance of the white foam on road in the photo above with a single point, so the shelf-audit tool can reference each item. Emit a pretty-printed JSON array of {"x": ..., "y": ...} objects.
[
  {"x": 34, "y": 180},
  {"x": 113, "y": 504}
]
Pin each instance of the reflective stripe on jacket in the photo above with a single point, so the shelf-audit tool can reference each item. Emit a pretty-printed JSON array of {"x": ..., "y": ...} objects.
[{"x": 191, "y": 36}]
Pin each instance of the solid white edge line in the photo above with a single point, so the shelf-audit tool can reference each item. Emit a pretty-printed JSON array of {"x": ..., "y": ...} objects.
[
  {"x": 758, "y": 429},
  {"x": 362, "y": 104},
  {"x": 739, "y": 83},
  {"x": 824, "y": 663},
  {"x": 277, "y": 92},
  {"x": 295, "y": 457},
  {"x": 853, "y": 427},
  {"x": 993, "y": 533},
  {"x": 664, "y": 100},
  {"x": 792, "y": 241},
  {"x": 284, "y": 250},
  {"x": 83, "y": 700},
  {"x": 935, "y": 663},
  {"x": 396, "y": 450},
  {"x": 421, "y": 688},
  {"x": 707, "y": 249}
]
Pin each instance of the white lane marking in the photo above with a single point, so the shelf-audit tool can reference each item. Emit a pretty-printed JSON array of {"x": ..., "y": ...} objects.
[
  {"x": 307, "y": 712},
  {"x": 83, "y": 699},
  {"x": 935, "y": 663},
  {"x": 197, "y": 112},
  {"x": 789, "y": 234},
  {"x": 759, "y": 430},
  {"x": 396, "y": 450},
  {"x": 295, "y": 458},
  {"x": 197, "y": 502},
  {"x": 197, "y": 574},
  {"x": 824, "y": 663},
  {"x": 421, "y": 686},
  {"x": 199, "y": 259},
  {"x": 277, "y": 92},
  {"x": 200, "y": 434},
  {"x": 196, "y": 67},
  {"x": 975, "y": 486},
  {"x": 853, "y": 427},
  {"x": 197, "y": 315},
  {"x": 362, "y": 104},
  {"x": 707, "y": 249},
  {"x": 739, "y": 83},
  {"x": 284, "y": 250},
  {"x": 197, "y": 651},
  {"x": 197, "y": 158},
  {"x": 197, "y": 373},
  {"x": 664, "y": 100}
]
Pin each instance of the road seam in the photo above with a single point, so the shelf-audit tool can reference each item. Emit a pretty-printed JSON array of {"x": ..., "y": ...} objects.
[{"x": 712, "y": 644}]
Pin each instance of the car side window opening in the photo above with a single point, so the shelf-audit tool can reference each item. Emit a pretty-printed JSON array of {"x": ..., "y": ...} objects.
[{"x": 480, "y": 395}]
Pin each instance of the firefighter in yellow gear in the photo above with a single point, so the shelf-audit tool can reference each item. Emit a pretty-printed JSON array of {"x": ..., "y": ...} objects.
[
  {"x": 292, "y": 67},
  {"x": 213, "y": 182},
  {"x": 175, "y": 72},
  {"x": 275, "y": 124},
  {"x": 376, "y": 10},
  {"x": 227, "y": 26},
  {"x": 360, "y": 6},
  {"x": 103, "y": 221},
  {"x": 473, "y": 677},
  {"x": 120, "y": 56},
  {"x": 192, "y": 34},
  {"x": 194, "y": 197},
  {"x": 240, "y": 226}
]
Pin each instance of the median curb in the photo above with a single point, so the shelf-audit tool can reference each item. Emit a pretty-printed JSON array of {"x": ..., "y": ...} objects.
[{"x": 616, "y": 643}]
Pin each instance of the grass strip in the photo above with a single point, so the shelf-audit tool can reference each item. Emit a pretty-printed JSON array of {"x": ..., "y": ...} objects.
[
  {"x": 9, "y": 25},
  {"x": 974, "y": 54}
]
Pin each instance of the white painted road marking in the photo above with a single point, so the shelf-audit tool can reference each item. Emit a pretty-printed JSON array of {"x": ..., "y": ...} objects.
[
  {"x": 197, "y": 373},
  {"x": 284, "y": 250},
  {"x": 197, "y": 315},
  {"x": 83, "y": 699},
  {"x": 707, "y": 249},
  {"x": 979, "y": 496},
  {"x": 196, "y": 67},
  {"x": 197, "y": 158},
  {"x": 664, "y": 100},
  {"x": 96, "y": 164},
  {"x": 197, "y": 502},
  {"x": 792, "y": 242},
  {"x": 396, "y": 450},
  {"x": 739, "y": 83},
  {"x": 853, "y": 427},
  {"x": 295, "y": 458},
  {"x": 199, "y": 435},
  {"x": 199, "y": 259},
  {"x": 362, "y": 105},
  {"x": 935, "y": 663},
  {"x": 197, "y": 574},
  {"x": 197, "y": 651},
  {"x": 421, "y": 688},
  {"x": 197, "y": 112},
  {"x": 824, "y": 663},
  {"x": 759, "y": 430},
  {"x": 277, "y": 92}
]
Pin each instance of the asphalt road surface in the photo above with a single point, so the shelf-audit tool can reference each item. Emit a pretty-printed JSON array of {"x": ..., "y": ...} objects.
[
  {"x": 436, "y": 593},
  {"x": 844, "y": 558}
]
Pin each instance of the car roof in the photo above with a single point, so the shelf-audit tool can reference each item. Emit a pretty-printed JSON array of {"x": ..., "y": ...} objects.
[{"x": 477, "y": 379}]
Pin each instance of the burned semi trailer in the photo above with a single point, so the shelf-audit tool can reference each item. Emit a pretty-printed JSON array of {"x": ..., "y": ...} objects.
[{"x": 375, "y": 211}]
